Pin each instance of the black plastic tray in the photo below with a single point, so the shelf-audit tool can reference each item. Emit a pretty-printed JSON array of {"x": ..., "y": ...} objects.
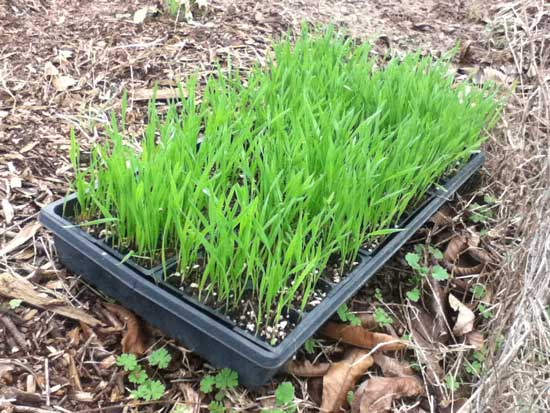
[{"x": 203, "y": 330}]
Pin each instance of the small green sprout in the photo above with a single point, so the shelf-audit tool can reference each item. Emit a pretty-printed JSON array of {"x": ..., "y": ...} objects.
[
  {"x": 147, "y": 389},
  {"x": 413, "y": 259},
  {"x": 378, "y": 295},
  {"x": 207, "y": 384},
  {"x": 347, "y": 316},
  {"x": 227, "y": 379},
  {"x": 310, "y": 345},
  {"x": 350, "y": 396},
  {"x": 138, "y": 375},
  {"x": 436, "y": 252},
  {"x": 480, "y": 213},
  {"x": 15, "y": 303},
  {"x": 485, "y": 311},
  {"x": 475, "y": 367},
  {"x": 284, "y": 398},
  {"x": 479, "y": 291},
  {"x": 452, "y": 383},
  {"x": 150, "y": 390},
  {"x": 127, "y": 361},
  {"x": 414, "y": 295},
  {"x": 216, "y": 407},
  {"x": 160, "y": 358},
  {"x": 382, "y": 317},
  {"x": 439, "y": 273}
]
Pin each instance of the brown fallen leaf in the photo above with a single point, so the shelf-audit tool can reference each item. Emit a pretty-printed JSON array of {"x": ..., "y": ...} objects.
[
  {"x": 392, "y": 367},
  {"x": 341, "y": 377},
  {"x": 376, "y": 395},
  {"x": 462, "y": 251},
  {"x": 50, "y": 69},
  {"x": 134, "y": 339},
  {"x": 465, "y": 319},
  {"x": 306, "y": 368},
  {"x": 443, "y": 217},
  {"x": 140, "y": 14},
  {"x": 424, "y": 335},
  {"x": 21, "y": 238},
  {"x": 63, "y": 83},
  {"x": 367, "y": 320},
  {"x": 359, "y": 337},
  {"x": 17, "y": 287},
  {"x": 6, "y": 377},
  {"x": 456, "y": 246},
  {"x": 107, "y": 362},
  {"x": 476, "y": 340},
  {"x": 439, "y": 309}
]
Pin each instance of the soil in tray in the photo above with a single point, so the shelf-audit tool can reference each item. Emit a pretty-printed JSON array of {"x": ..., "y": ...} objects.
[
  {"x": 243, "y": 314},
  {"x": 103, "y": 236}
]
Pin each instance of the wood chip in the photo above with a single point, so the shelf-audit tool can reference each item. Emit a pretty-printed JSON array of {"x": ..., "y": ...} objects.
[
  {"x": 21, "y": 238},
  {"x": 16, "y": 287}
]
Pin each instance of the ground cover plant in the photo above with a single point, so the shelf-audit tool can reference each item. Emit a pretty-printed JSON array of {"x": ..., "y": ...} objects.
[{"x": 300, "y": 164}]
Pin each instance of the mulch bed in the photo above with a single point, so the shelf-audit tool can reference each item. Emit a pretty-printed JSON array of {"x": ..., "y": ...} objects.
[{"x": 65, "y": 65}]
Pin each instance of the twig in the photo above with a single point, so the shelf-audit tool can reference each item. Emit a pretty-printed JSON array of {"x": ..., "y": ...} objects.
[
  {"x": 21, "y": 409},
  {"x": 47, "y": 380},
  {"x": 17, "y": 335},
  {"x": 120, "y": 406}
]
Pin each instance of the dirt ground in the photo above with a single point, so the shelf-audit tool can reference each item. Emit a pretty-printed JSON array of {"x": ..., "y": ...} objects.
[{"x": 66, "y": 64}]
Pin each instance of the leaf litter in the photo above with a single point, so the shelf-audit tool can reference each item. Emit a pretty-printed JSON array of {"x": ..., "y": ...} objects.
[{"x": 39, "y": 178}]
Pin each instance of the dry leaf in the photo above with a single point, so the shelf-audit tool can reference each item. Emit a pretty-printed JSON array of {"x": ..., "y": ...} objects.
[
  {"x": 307, "y": 369},
  {"x": 50, "y": 69},
  {"x": 9, "y": 212},
  {"x": 367, "y": 320},
  {"x": 392, "y": 367},
  {"x": 341, "y": 377},
  {"x": 64, "y": 82},
  {"x": 21, "y": 238},
  {"x": 360, "y": 337},
  {"x": 134, "y": 339},
  {"x": 74, "y": 336},
  {"x": 439, "y": 310},
  {"x": 475, "y": 339},
  {"x": 107, "y": 362},
  {"x": 16, "y": 287},
  {"x": 376, "y": 395},
  {"x": 424, "y": 336},
  {"x": 461, "y": 246},
  {"x": 456, "y": 246},
  {"x": 489, "y": 74},
  {"x": 443, "y": 217},
  {"x": 140, "y": 15},
  {"x": 465, "y": 319}
]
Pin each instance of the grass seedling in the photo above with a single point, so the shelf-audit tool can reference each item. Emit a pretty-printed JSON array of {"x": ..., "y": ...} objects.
[{"x": 309, "y": 158}]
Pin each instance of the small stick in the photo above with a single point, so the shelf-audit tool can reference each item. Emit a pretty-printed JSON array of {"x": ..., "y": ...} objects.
[
  {"x": 21, "y": 409},
  {"x": 47, "y": 380},
  {"x": 17, "y": 335}
]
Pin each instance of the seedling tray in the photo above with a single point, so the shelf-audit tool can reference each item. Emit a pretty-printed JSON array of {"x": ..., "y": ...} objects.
[{"x": 203, "y": 330}]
